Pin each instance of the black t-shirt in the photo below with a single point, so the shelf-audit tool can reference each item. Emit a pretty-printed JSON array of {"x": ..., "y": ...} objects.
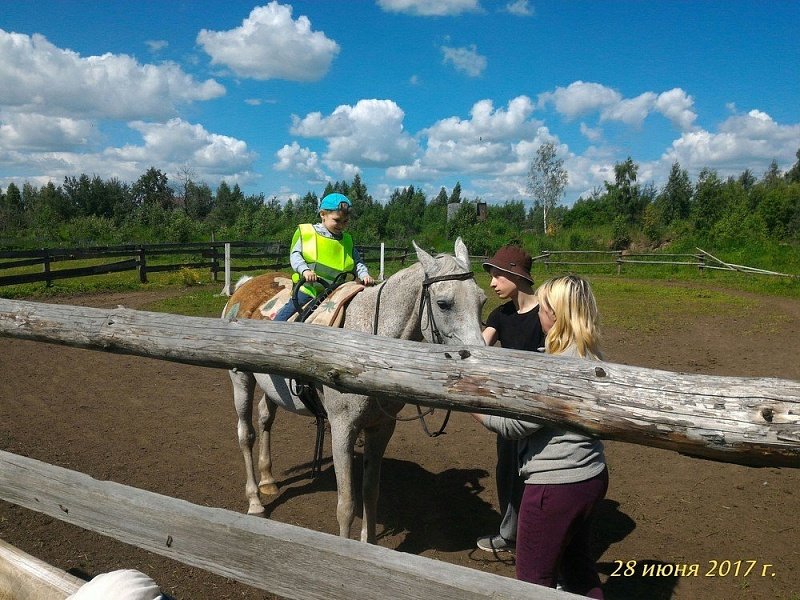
[{"x": 515, "y": 330}]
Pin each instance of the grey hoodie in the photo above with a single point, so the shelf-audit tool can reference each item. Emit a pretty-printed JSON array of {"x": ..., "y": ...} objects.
[{"x": 548, "y": 454}]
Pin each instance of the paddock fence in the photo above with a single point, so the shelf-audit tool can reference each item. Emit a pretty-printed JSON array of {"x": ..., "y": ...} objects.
[
  {"x": 753, "y": 421},
  {"x": 217, "y": 257},
  {"x": 619, "y": 259}
]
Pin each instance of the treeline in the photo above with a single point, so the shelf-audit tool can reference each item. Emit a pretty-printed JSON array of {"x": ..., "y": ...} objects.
[{"x": 721, "y": 212}]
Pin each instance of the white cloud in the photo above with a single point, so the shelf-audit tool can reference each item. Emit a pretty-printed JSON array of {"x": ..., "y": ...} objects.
[
  {"x": 631, "y": 111},
  {"x": 169, "y": 146},
  {"x": 520, "y": 8},
  {"x": 593, "y": 134},
  {"x": 486, "y": 123},
  {"x": 294, "y": 159},
  {"x": 742, "y": 142},
  {"x": 181, "y": 142},
  {"x": 466, "y": 60},
  {"x": 156, "y": 46},
  {"x": 678, "y": 107},
  {"x": 32, "y": 132},
  {"x": 370, "y": 133},
  {"x": 492, "y": 141},
  {"x": 38, "y": 77},
  {"x": 271, "y": 45},
  {"x": 580, "y": 98},
  {"x": 430, "y": 8}
]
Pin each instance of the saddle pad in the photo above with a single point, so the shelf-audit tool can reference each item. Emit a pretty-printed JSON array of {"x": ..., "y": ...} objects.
[{"x": 331, "y": 311}]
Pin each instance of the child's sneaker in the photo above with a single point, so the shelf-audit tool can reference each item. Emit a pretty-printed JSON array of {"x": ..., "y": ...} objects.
[{"x": 495, "y": 543}]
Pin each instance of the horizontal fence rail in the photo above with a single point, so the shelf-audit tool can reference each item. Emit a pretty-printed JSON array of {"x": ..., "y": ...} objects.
[
  {"x": 263, "y": 256},
  {"x": 750, "y": 421},
  {"x": 604, "y": 258},
  {"x": 280, "y": 558}
]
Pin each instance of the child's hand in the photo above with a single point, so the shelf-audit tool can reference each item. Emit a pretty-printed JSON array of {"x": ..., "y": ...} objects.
[
  {"x": 309, "y": 275},
  {"x": 367, "y": 280}
]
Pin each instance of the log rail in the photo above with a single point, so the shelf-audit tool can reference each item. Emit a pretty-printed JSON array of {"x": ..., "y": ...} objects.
[{"x": 744, "y": 420}]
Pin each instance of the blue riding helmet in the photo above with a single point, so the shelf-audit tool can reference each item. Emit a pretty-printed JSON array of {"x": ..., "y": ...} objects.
[{"x": 334, "y": 202}]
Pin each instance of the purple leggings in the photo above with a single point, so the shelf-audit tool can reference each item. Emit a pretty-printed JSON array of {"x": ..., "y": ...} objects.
[{"x": 553, "y": 534}]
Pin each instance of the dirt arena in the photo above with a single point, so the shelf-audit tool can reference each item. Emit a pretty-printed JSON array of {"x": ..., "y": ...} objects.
[{"x": 170, "y": 428}]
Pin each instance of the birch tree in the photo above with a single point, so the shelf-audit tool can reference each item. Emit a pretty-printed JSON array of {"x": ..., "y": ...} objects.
[{"x": 547, "y": 178}]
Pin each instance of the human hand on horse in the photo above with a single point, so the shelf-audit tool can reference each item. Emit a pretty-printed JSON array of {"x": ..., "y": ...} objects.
[
  {"x": 310, "y": 276},
  {"x": 368, "y": 280}
]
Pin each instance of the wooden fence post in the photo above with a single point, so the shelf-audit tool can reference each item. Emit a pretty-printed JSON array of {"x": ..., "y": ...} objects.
[
  {"x": 142, "y": 265},
  {"x": 619, "y": 262},
  {"x": 702, "y": 265},
  {"x": 46, "y": 267},
  {"x": 214, "y": 262}
]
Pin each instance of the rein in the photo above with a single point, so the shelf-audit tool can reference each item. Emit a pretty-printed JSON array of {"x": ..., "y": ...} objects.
[{"x": 424, "y": 302}]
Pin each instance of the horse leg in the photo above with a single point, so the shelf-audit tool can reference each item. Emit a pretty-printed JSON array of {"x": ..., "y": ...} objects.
[
  {"x": 343, "y": 439},
  {"x": 243, "y": 386},
  {"x": 267, "y": 410},
  {"x": 375, "y": 441}
]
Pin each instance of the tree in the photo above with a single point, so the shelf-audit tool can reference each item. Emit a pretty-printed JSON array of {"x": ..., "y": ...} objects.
[
  {"x": 675, "y": 199},
  {"x": 547, "y": 179},
  {"x": 793, "y": 174},
  {"x": 625, "y": 197},
  {"x": 153, "y": 188},
  {"x": 455, "y": 195}
]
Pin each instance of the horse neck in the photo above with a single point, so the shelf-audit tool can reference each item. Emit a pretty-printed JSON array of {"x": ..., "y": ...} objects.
[{"x": 397, "y": 306}]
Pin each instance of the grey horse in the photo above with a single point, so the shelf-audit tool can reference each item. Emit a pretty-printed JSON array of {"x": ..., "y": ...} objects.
[{"x": 455, "y": 306}]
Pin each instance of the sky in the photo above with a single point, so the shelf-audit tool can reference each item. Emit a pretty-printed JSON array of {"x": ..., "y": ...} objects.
[{"x": 284, "y": 97}]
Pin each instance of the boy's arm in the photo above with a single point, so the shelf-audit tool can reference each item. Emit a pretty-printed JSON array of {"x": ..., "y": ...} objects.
[
  {"x": 362, "y": 272},
  {"x": 299, "y": 265}
]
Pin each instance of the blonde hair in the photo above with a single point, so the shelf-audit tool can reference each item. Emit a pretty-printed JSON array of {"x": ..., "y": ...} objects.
[{"x": 571, "y": 299}]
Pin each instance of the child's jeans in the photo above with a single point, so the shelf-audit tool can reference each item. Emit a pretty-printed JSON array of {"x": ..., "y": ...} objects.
[{"x": 288, "y": 309}]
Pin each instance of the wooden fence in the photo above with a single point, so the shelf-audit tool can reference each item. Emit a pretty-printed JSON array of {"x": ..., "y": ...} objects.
[
  {"x": 283, "y": 559},
  {"x": 701, "y": 260},
  {"x": 742, "y": 420},
  {"x": 148, "y": 258}
]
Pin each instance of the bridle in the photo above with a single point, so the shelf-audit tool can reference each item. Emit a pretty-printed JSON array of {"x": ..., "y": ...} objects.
[{"x": 436, "y": 336}]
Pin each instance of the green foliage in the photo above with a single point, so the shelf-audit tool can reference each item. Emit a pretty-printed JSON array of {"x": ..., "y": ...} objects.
[{"x": 740, "y": 215}]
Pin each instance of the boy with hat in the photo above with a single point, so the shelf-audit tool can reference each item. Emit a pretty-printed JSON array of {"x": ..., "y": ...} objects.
[
  {"x": 515, "y": 325},
  {"x": 323, "y": 250}
]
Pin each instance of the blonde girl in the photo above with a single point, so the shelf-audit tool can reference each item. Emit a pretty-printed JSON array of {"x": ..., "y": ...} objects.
[{"x": 565, "y": 471}]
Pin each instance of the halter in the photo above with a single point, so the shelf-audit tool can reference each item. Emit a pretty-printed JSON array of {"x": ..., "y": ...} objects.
[{"x": 424, "y": 302}]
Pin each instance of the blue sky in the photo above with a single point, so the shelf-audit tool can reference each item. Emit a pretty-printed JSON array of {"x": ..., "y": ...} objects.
[{"x": 282, "y": 97}]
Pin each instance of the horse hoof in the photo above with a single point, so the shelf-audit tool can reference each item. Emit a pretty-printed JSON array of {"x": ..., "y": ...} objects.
[
  {"x": 268, "y": 489},
  {"x": 256, "y": 510}
]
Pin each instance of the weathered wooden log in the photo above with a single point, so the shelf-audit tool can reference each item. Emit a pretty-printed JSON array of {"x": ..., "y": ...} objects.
[
  {"x": 24, "y": 577},
  {"x": 283, "y": 559},
  {"x": 753, "y": 421}
]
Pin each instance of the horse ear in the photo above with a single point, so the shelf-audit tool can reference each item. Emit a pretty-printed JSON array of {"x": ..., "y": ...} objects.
[
  {"x": 426, "y": 260},
  {"x": 461, "y": 253}
]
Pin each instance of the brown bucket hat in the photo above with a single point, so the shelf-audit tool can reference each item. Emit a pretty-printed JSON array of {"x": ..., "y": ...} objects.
[{"x": 511, "y": 259}]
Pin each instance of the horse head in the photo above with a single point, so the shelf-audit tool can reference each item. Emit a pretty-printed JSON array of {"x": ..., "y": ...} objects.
[{"x": 451, "y": 301}]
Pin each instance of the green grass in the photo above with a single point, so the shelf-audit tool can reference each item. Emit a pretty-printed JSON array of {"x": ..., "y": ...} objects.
[
  {"x": 205, "y": 302},
  {"x": 629, "y": 301}
]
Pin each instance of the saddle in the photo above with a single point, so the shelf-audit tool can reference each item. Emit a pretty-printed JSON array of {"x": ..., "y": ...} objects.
[{"x": 248, "y": 301}]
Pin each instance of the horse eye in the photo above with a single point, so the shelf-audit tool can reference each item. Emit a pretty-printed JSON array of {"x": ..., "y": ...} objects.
[{"x": 444, "y": 304}]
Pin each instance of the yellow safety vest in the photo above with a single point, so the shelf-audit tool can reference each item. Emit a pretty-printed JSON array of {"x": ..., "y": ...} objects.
[{"x": 327, "y": 257}]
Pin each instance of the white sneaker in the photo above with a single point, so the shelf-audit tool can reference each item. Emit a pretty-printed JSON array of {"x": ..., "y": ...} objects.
[{"x": 495, "y": 543}]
